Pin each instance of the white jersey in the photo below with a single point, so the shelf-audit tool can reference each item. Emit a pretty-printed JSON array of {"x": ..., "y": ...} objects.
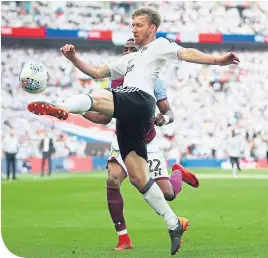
[
  {"x": 235, "y": 146},
  {"x": 141, "y": 69}
]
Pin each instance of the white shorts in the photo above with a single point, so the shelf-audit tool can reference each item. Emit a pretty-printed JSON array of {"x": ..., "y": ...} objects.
[{"x": 156, "y": 161}]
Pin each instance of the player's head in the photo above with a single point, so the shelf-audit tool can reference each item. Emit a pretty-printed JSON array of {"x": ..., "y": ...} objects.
[
  {"x": 145, "y": 22},
  {"x": 130, "y": 47}
]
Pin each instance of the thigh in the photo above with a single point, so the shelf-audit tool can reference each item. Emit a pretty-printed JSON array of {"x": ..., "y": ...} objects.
[
  {"x": 131, "y": 137},
  {"x": 134, "y": 112},
  {"x": 10, "y": 158},
  {"x": 137, "y": 170},
  {"x": 7, "y": 157},
  {"x": 8, "y": 162},
  {"x": 103, "y": 102},
  {"x": 157, "y": 166},
  {"x": 13, "y": 157}
]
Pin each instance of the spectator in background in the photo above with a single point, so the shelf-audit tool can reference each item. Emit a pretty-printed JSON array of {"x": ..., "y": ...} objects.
[
  {"x": 11, "y": 147},
  {"x": 235, "y": 150},
  {"x": 47, "y": 149},
  {"x": 203, "y": 122}
]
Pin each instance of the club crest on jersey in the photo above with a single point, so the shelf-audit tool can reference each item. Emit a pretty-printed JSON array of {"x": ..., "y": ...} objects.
[
  {"x": 129, "y": 69},
  {"x": 114, "y": 154}
]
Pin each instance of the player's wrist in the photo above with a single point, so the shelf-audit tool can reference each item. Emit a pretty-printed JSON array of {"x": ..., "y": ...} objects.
[{"x": 74, "y": 60}]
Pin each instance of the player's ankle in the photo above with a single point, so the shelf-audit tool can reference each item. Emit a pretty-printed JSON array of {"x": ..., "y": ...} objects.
[{"x": 124, "y": 238}]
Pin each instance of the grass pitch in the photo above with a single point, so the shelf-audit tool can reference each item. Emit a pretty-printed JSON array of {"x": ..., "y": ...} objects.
[{"x": 67, "y": 216}]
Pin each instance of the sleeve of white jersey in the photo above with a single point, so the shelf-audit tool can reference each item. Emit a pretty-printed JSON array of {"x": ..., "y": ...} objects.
[
  {"x": 118, "y": 67},
  {"x": 168, "y": 50}
]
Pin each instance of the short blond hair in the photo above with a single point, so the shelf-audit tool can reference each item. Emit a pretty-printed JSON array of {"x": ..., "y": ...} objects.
[{"x": 152, "y": 14}]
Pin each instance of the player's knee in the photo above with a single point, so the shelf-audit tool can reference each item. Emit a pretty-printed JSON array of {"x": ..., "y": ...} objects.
[
  {"x": 113, "y": 181},
  {"x": 169, "y": 196},
  {"x": 167, "y": 189},
  {"x": 136, "y": 181}
]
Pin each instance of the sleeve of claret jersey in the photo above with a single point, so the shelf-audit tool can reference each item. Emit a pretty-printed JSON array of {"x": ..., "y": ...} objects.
[
  {"x": 160, "y": 91},
  {"x": 118, "y": 67},
  {"x": 168, "y": 50}
]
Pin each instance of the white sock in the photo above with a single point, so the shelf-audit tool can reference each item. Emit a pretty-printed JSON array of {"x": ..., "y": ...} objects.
[
  {"x": 77, "y": 104},
  {"x": 122, "y": 232},
  {"x": 155, "y": 198}
]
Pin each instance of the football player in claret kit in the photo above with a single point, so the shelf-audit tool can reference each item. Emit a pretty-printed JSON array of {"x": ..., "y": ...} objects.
[
  {"x": 117, "y": 171},
  {"x": 133, "y": 104}
]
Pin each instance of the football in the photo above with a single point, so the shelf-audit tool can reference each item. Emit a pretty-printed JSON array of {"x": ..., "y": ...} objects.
[{"x": 34, "y": 77}]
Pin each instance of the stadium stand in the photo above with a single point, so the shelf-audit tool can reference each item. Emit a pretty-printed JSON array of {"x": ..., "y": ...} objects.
[
  {"x": 228, "y": 17},
  {"x": 208, "y": 101},
  {"x": 217, "y": 99}
]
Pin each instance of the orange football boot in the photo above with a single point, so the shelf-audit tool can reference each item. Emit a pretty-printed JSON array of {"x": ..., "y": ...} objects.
[
  {"x": 45, "y": 108},
  {"x": 187, "y": 176}
]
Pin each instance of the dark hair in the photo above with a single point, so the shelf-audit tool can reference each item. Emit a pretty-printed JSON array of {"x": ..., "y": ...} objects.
[
  {"x": 152, "y": 14},
  {"x": 130, "y": 40}
]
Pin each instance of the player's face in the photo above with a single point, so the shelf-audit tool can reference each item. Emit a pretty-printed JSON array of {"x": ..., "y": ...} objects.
[
  {"x": 130, "y": 47},
  {"x": 143, "y": 30}
]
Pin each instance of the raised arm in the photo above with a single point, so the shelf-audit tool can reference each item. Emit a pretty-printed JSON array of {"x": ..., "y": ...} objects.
[
  {"x": 195, "y": 56},
  {"x": 96, "y": 72}
]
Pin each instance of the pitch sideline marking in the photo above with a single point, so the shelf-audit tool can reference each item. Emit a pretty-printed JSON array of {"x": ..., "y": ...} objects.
[{"x": 35, "y": 178}]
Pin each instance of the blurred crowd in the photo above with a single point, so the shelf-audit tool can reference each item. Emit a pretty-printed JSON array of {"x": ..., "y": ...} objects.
[
  {"x": 208, "y": 102},
  {"x": 241, "y": 17}
]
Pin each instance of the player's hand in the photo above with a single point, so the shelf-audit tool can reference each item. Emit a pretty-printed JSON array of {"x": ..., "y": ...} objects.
[
  {"x": 159, "y": 120},
  {"x": 228, "y": 58},
  {"x": 68, "y": 51}
]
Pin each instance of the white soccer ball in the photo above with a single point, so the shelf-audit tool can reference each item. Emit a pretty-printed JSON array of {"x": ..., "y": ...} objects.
[{"x": 34, "y": 77}]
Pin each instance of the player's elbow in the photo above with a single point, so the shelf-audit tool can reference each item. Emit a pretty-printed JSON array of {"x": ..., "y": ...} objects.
[
  {"x": 185, "y": 54},
  {"x": 106, "y": 120},
  {"x": 96, "y": 75},
  {"x": 103, "y": 119},
  {"x": 101, "y": 72}
]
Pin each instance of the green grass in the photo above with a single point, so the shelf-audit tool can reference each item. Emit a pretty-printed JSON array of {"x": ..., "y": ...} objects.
[{"x": 67, "y": 216}]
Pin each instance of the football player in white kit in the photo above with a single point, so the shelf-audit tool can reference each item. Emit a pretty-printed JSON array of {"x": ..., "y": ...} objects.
[
  {"x": 133, "y": 104},
  {"x": 117, "y": 171}
]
